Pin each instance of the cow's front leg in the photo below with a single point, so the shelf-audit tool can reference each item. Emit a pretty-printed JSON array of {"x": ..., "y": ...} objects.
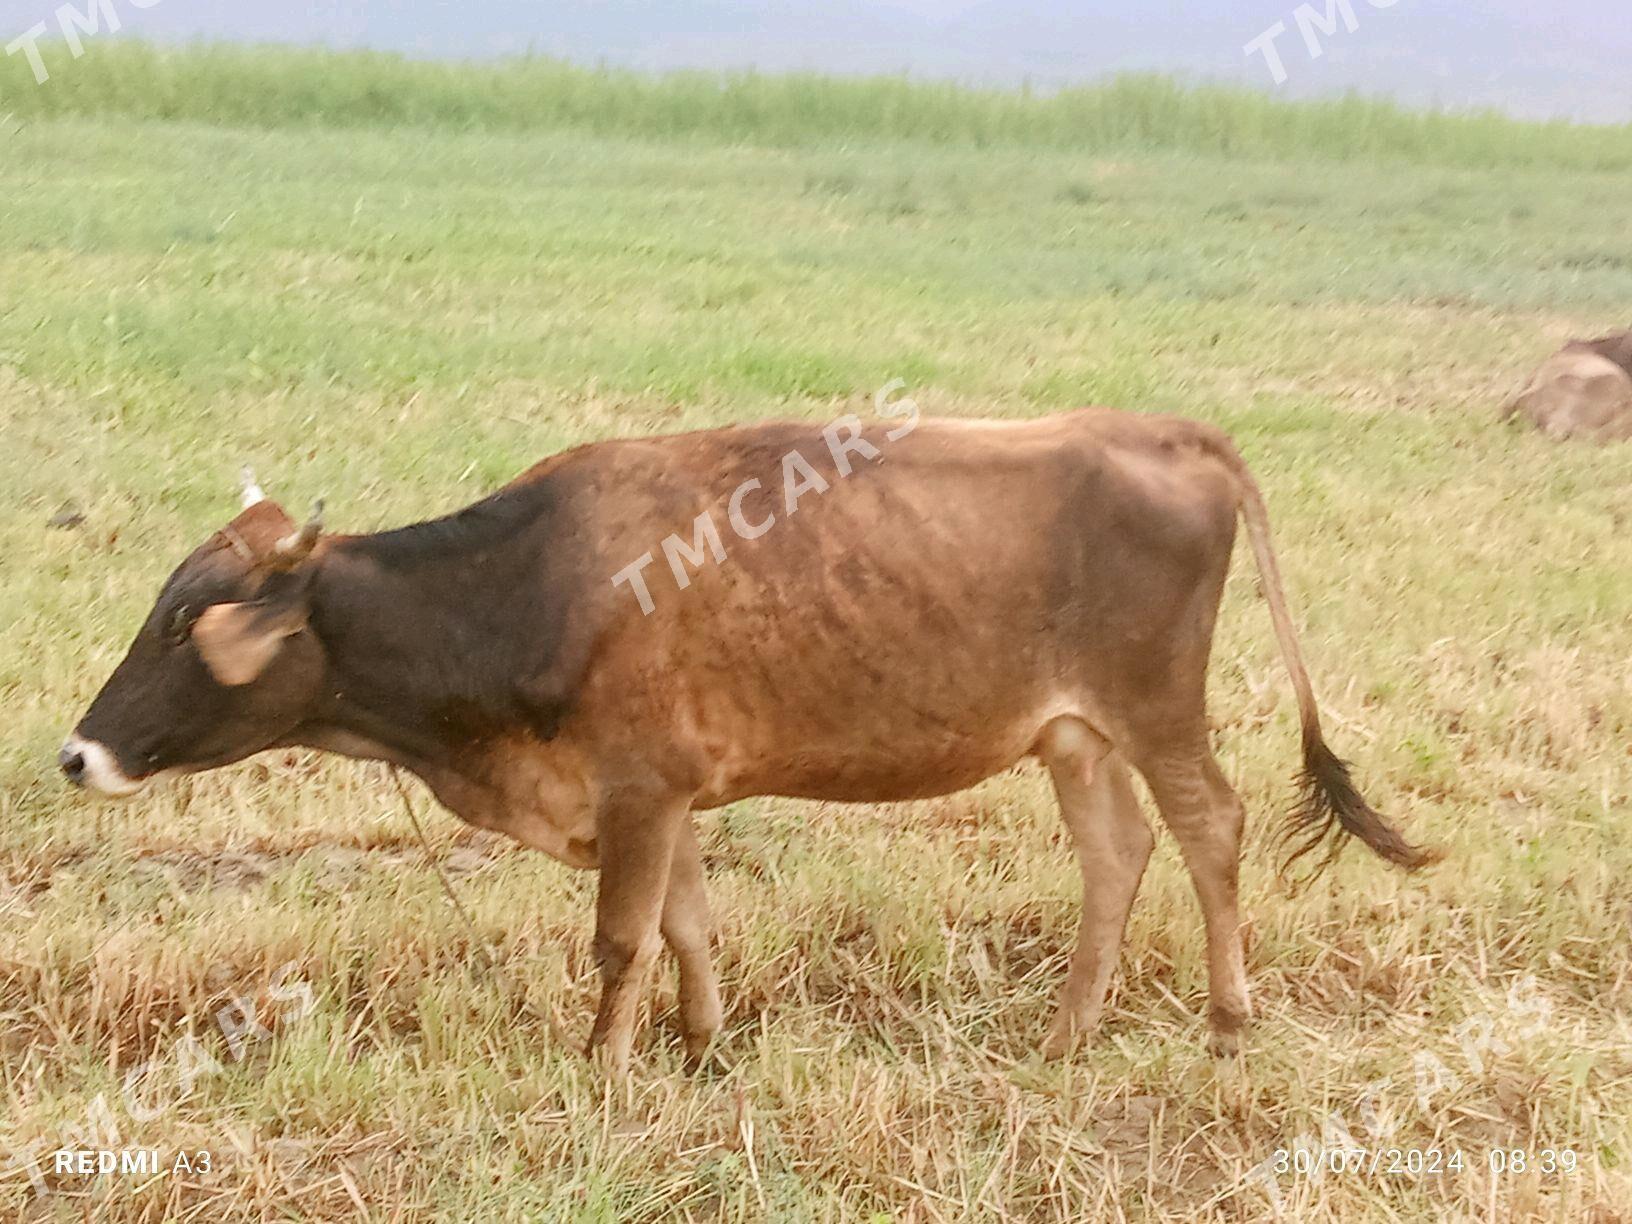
[
  {"x": 635, "y": 834},
  {"x": 686, "y": 928}
]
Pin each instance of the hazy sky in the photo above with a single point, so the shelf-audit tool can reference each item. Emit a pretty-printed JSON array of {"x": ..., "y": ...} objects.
[{"x": 1573, "y": 57}]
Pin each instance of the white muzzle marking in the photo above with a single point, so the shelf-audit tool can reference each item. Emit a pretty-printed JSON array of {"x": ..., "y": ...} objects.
[{"x": 102, "y": 772}]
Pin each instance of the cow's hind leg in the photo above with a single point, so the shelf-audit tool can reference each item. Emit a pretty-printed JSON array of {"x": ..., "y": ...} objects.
[
  {"x": 1199, "y": 805},
  {"x": 1113, "y": 844},
  {"x": 635, "y": 841},
  {"x": 686, "y": 928}
]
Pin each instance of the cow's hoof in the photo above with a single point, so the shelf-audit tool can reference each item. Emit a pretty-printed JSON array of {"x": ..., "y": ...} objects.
[
  {"x": 1227, "y": 1042},
  {"x": 1063, "y": 1038},
  {"x": 708, "y": 1065},
  {"x": 698, "y": 1047},
  {"x": 610, "y": 1056}
]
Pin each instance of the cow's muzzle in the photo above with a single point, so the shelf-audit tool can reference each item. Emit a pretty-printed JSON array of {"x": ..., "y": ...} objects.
[{"x": 91, "y": 765}]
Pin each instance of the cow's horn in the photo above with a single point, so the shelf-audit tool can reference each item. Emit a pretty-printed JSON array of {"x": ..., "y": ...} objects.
[
  {"x": 251, "y": 491},
  {"x": 297, "y": 545}
]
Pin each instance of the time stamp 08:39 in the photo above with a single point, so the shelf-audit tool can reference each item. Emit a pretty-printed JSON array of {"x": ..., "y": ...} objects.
[{"x": 1423, "y": 1162}]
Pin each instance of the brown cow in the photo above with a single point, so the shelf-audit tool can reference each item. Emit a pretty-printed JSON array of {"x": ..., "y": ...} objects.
[
  {"x": 901, "y": 612},
  {"x": 1582, "y": 391}
]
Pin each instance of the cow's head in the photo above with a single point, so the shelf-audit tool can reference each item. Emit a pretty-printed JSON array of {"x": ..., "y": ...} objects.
[{"x": 224, "y": 666}]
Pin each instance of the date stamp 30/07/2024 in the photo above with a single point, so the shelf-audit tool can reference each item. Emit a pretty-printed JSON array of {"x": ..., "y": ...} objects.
[{"x": 1420, "y": 1162}]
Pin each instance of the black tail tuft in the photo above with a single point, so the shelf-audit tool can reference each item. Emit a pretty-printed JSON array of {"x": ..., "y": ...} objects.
[{"x": 1330, "y": 810}]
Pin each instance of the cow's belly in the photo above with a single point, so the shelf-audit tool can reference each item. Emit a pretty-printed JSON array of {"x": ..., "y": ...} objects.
[
  {"x": 880, "y": 760},
  {"x": 852, "y": 702}
]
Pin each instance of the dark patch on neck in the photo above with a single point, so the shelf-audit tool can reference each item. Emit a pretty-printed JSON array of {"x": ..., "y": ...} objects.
[{"x": 462, "y": 629}]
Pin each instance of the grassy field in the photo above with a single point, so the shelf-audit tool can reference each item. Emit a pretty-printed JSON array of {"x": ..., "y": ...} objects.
[{"x": 398, "y": 318}]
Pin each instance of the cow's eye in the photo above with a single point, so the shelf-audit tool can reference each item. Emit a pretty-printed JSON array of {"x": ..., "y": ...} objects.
[{"x": 181, "y": 624}]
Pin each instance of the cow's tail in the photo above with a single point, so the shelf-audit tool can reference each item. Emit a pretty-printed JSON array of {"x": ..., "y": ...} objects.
[{"x": 1329, "y": 807}]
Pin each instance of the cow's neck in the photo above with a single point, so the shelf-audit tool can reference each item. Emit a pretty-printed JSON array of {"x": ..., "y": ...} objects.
[
  {"x": 448, "y": 639},
  {"x": 425, "y": 661},
  {"x": 387, "y": 644}
]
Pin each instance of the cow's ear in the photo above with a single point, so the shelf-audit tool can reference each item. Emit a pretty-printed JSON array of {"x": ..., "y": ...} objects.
[{"x": 238, "y": 640}]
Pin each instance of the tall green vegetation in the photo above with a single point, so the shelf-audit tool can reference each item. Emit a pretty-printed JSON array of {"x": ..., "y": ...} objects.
[{"x": 274, "y": 87}]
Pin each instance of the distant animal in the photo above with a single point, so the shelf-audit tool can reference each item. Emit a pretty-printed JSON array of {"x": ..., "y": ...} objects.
[
  {"x": 1582, "y": 391},
  {"x": 902, "y": 612}
]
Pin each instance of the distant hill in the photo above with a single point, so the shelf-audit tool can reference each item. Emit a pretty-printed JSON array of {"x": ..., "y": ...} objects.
[{"x": 1565, "y": 59}]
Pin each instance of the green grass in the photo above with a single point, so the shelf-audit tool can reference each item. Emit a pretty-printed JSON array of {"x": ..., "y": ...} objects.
[
  {"x": 282, "y": 87},
  {"x": 400, "y": 319}
]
